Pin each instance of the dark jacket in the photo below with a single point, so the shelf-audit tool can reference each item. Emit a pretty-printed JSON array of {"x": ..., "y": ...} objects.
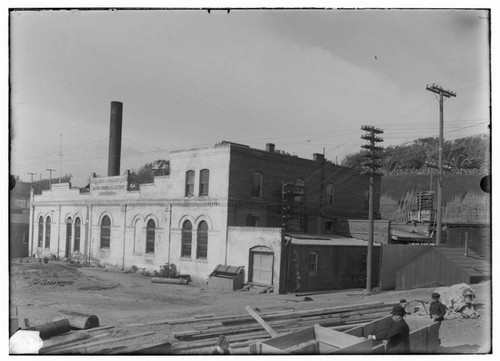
[
  {"x": 437, "y": 309},
  {"x": 398, "y": 338}
]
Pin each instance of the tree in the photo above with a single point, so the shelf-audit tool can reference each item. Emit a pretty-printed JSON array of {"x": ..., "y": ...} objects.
[{"x": 147, "y": 172}]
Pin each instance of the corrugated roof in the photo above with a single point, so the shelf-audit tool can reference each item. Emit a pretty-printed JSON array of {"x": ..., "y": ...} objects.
[
  {"x": 327, "y": 240},
  {"x": 398, "y": 234}
]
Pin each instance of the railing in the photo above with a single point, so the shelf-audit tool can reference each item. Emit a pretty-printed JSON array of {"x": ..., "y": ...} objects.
[{"x": 428, "y": 172}]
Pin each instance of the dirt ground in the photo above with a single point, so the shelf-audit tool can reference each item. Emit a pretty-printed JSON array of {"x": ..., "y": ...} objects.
[{"x": 41, "y": 290}]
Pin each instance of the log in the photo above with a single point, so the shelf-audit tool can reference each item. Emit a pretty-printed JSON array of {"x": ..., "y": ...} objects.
[
  {"x": 47, "y": 330},
  {"x": 79, "y": 320},
  {"x": 175, "y": 281}
]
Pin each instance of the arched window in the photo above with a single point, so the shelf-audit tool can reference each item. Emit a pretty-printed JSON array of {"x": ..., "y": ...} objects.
[
  {"x": 76, "y": 245},
  {"x": 47, "y": 232},
  {"x": 105, "y": 232},
  {"x": 202, "y": 244},
  {"x": 257, "y": 184},
  {"x": 40, "y": 231},
  {"x": 330, "y": 193},
  {"x": 204, "y": 177},
  {"x": 189, "y": 183},
  {"x": 313, "y": 263},
  {"x": 150, "y": 236},
  {"x": 187, "y": 236}
]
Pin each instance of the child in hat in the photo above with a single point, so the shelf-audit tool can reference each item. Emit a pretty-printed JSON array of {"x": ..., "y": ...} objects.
[
  {"x": 222, "y": 347},
  {"x": 397, "y": 339},
  {"x": 436, "y": 310}
]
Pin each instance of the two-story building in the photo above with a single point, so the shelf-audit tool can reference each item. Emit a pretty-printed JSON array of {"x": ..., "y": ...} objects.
[{"x": 223, "y": 204}]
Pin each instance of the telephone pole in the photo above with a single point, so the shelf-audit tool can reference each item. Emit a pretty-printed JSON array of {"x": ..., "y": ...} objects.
[
  {"x": 371, "y": 165},
  {"x": 442, "y": 94},
  {"x": 50, "y": 176},
  {"x": 31, "y": 174}
]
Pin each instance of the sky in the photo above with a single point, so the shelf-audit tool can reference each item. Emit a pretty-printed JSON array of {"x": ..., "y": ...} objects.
[{"x": 305, "y": 80}]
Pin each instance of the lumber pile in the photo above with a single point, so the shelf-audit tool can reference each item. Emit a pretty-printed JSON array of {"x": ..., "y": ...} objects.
[{"x": 244, "y": 329}]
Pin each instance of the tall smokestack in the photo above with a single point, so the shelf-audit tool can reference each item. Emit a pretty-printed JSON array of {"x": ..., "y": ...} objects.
[{"x": 115, "y": 139}]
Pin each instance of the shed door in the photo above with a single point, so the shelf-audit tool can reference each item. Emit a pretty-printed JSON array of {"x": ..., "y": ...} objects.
[{"x": 262, "y": 267}]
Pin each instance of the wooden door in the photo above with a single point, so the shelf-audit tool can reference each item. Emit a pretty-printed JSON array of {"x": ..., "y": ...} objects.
[{"x": 262, "y": 267}]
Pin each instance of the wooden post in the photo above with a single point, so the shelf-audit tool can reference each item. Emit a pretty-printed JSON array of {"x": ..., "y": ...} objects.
[{"x": 466, "y": 244}]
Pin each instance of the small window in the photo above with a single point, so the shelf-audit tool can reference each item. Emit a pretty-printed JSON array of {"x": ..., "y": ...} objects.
[
  {"x": 313, "y": 263},
  {"x": 202, "y": 240},
  {"x": 330, "y": 193},
  {"x": 257, "y": 185},
  {"x": 47, "y": 232},
  {"x": 186, "y": 239},
  {"x": 76, "y": 245},
  {"x": 204, "y": 176},
  {"x": 364, "y": 258},
  {"x": 330, "y": 226},
  {"x": 40, "y": 232},
  {"x": 150, "y": 236},
  {"x": 105, "y": 232},
  {"x": 189, "y": 183},
  {"x": 252, "y": 221}
]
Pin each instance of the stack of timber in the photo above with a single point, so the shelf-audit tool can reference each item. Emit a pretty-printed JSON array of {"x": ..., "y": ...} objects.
[
  {"x": 243, "y": 329},
  {"x": 105, "y": 340}
]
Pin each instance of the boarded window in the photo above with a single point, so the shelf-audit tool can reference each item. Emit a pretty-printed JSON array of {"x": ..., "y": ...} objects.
[
  {"x": 76, "y": 245},
  {"x": 257, "y": 184},
  {"x": 47, "y": 232},
  {"x": 187, "y": 236},
  {"x": 204, "y": 178},
  {"x": 202, "y": 240},
  {"x": 189, "y": 183},
  {"x": 105, "y": 232},
  {"x": 330, "y": 193},
  {"x": 40, "y": 232},
  {"x": 150, "y": 236}
]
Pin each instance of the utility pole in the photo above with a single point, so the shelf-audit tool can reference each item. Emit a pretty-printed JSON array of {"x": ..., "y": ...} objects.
[
  {"x": 50, "y": 176},
  {"x": 60, "y": 155},
  {"x": 442, "y": 94},
  {"x": 371, "y": 165},
  {"x": 31, "y": 174}
]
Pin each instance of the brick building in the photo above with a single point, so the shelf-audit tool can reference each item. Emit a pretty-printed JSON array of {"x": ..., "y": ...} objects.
[{"x": 223, "y": 204}]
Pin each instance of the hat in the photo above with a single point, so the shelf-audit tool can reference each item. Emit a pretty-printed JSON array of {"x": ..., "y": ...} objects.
[
  {"x": 435, "y": 295},
  {"x": 402, "y": 301},
  {"x": 398, "y": 310}
]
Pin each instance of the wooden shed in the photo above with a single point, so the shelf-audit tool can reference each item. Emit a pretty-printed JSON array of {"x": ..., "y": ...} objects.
[{"x": 442, "y": 266}]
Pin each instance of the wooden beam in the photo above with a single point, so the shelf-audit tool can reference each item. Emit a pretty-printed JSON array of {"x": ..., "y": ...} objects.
[{"x": 261, "y": 321}]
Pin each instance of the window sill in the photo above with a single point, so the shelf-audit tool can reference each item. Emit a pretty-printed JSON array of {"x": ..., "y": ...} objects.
[
  {"x": 104, "y": 249},
  {"x": 149, "y": 254},
  {"x": 202, "y": 260},
  {"x": 184, "y": 258}
]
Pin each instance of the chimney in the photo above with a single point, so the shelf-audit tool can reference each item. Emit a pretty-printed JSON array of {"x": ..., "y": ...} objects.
[
  {"x": 115, "y": 139},
  {"x": 318, "y": 157},
  {"x": 270, "y": 147}
]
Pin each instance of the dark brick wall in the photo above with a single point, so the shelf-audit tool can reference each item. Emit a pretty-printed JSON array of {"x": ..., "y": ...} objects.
[
  {"x": 339, "y": 267},
  {"x": 350, "y": 186},
  {"x": 359, "y": 229}
]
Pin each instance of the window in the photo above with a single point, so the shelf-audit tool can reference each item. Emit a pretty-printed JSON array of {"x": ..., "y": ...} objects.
[
  {"x": 330, "y": 192},
  {"x": 204, "y": 175},
  {"x": 252, "y": 221},
  {"x": 313, "y": 263},
  {"x": 189, "y": 183},
  {"x": 76, "y": 245},
  {"x": 150, "y": 236},
  {"x": 40, "y": 232},
  {"x": 187, "y": 236},
  {"x": 47, "y": 232},
  {"x": 330, "y": 226},
  {"x": 105, "y": 232},
  {"x": 202, "y": 244},
  {"x": 257, "y": 185},
  {"x": 299, "y": 190}
]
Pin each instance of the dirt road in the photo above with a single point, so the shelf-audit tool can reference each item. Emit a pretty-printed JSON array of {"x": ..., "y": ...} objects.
[{"x": 41, "y": 290}]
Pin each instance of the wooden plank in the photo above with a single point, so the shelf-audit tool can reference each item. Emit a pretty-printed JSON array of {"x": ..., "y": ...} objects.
[
  {"x": 433, "y": 337},
  {"x": 54, "y": 343},
  {"x": 68, "y": 347},
  {"x": 113, "y": 340},
  {"x": 261, "y": 321},
  {"x": 418, "y": 340}
]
